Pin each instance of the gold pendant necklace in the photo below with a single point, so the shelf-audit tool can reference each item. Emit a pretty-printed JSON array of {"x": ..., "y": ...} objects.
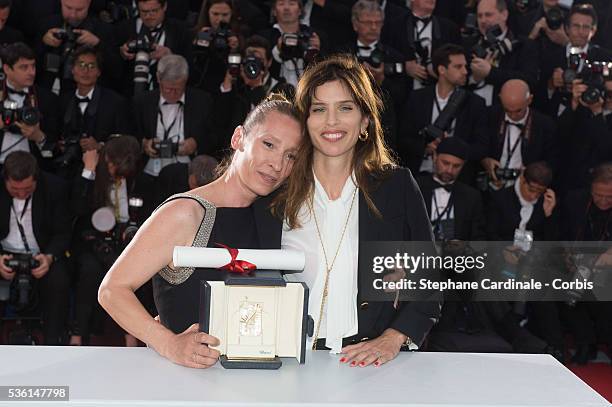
[{"x": 328, "y": 266}]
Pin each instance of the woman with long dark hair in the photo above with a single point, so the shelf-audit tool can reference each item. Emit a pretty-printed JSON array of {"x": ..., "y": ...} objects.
[{"x": 345, "y": 190}]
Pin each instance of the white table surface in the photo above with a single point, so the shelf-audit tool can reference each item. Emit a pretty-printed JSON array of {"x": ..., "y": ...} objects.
[{"x": 140, "y": 377}]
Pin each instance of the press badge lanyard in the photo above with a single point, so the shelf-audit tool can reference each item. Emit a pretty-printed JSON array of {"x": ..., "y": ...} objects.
[
  {"x": 509, "y": 150},
  {"x": 446, "y": 210},
  {"x": 167, "y": 130},
  {"x": 20, "y": 226}
]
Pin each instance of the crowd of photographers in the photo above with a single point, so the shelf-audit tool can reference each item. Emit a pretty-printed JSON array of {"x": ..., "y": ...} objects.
[{"x": 501, "y": 107}]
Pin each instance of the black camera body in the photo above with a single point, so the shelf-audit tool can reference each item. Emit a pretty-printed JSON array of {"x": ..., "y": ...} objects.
[
  {"x": 594, "y": 75},
  {"x": 445, "y": 118},
  {"x": 140, "y": 45},
  {"x": 507, "y": 174},
  {"x": 166, "y": 148},
  {"x": 574, "y": 61},
  {"x": 491, "y": 43},
  {"x": 72, "y": 151},
  {"x": 61, "y": 62},
  {"x": 12, "y": 114},
  {"x": 297, "y": 45},
  {"x": 234, "y": 61},
  {"x": 215, "y": 40},
  {"x": 22, "y": 262},
  {"x": 555, "y": 18}
]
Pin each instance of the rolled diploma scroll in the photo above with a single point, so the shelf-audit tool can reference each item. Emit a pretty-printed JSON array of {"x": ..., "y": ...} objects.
[{"x": 212, "y": 257}]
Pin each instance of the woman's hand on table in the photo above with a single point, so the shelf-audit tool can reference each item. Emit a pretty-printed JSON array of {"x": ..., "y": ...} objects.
[
  {"x": 375, "y": 351},
  {"x": 191, "y": 348}
]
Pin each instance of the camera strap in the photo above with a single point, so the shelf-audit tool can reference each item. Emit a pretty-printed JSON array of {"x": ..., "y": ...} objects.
[
  {"x": 18, "y": 220},
  {"x": 167, "y": 130},
  {"x": 452, "y": 128},
  {"x": 445, "y": 211}
]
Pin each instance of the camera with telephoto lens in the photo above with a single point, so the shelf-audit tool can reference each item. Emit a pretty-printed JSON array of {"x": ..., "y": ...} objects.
[
  {"x": 297, "y": 45},
  {"x": 166, "y": 148},
  {"x": 62, "y": 61},
  {"x": 377, "y": 58},
  {"x": 109, "y": 238},
  {"x": 594, "y": 75},
  {"x": 142, "y": 48},
  {"x": 22, "y": 264},
  {"x": 215, "y": 40},
  {"x": 233, "y": 64},
  {"x": 445, "y": 119},
  {"x": 11, "y": 114},
  {"x": 491, "y": 44},
  {"x": 253, "y": 66},
  {"x": 554, "y": 18}
]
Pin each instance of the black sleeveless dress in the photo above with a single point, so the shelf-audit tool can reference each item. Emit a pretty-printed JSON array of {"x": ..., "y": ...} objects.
[{"x": 178, "y": 303}]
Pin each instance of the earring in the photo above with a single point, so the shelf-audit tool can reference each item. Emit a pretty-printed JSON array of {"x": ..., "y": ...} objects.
[{"x": 364, "y": 135}]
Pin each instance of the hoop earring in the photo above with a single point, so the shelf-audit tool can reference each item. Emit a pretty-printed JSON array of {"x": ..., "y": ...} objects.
[{"x": 364, "y": 135}]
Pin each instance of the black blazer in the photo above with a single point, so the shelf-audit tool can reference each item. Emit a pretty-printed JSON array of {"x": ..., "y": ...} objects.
[
  {"x": 404, "y": 218},
  {"x": 504, "y": 216},
  {"x": 111, "y": 68},
  {"x": 585, "y": 142},
  {"x": 416, "y": 115},
  {"x": 542, "y": 143},
  {"x": 50, "y": 214},
  {"x": 107, "y": 113},
  {"x": 469, "y": 215},
  {"x": 197, "y": 116}
]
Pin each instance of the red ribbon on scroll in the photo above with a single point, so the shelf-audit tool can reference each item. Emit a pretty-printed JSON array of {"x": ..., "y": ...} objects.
[{"x": 236, "y": 266}]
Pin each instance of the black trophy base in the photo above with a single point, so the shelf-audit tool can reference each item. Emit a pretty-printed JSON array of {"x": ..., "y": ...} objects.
[{"x": 268, "y": 364}]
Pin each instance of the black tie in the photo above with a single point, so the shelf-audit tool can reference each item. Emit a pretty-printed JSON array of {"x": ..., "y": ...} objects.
[
  {"x": 519, "y": 126},
  {"x": 166, "y": 103},
  {"x": 83, "y": 100},
  {"x": 365, "y": 47},
  {"x": 446, "y": 187}
]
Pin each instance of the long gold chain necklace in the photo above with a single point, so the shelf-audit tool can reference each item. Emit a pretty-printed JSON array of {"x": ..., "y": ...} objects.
[{"x": 328, "y": 266}]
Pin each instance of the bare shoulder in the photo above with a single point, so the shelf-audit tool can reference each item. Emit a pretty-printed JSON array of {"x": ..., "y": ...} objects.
[{"x": 178, "y": 219}]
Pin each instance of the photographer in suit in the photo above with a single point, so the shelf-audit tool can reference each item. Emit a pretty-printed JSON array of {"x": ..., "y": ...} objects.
[
  {"x": 35, "y": 222},
  {"x": 423, "y": 34},
  {"x": 561, "y": 65},
  {"x": 37, "y": 130},
  {"x": 525, "y": 213},
  {"x": 108, "y": 180},
  {"x": 91, "y": 113},
  {"x": 174, "y": 121},
  {"x": 62, "y": 34},
  {"x": 517, "y": 135},
  {"x": 425, "y": 106},
  {"x": 164, "y": 35},
  {"x": 291, "y": 60},
  {"x": 586, "y": 217},
  {"x": 253, "y": 83},
  {"x": 501, "y": 55},
  {"x": 585, "y": 135}
]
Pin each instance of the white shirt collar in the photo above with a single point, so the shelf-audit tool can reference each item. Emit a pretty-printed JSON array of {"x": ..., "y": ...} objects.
[
  {"x": 523, "y": 201},
  {"x": 89, "y": 94},
  {"x": 372, "y": 46},
  {"x": 10, "y": 85},
  {"x": 440, "y": 99},
  {"x": 162, "y": 100}
]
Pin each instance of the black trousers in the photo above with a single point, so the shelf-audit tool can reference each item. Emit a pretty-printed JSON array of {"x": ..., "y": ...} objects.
[{"x": 89, "y": 274}]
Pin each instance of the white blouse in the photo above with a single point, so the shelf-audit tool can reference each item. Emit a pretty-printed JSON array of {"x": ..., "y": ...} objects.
[{"x": 339, "y": 319}]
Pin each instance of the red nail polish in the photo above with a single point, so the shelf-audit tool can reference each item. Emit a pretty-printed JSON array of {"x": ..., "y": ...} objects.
[
  {"x": 342, "y": 360},
  {"x": 353, "y": 363},
  {"x": 362, "y": 364},
  {"x": 376, "y": 364}
]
